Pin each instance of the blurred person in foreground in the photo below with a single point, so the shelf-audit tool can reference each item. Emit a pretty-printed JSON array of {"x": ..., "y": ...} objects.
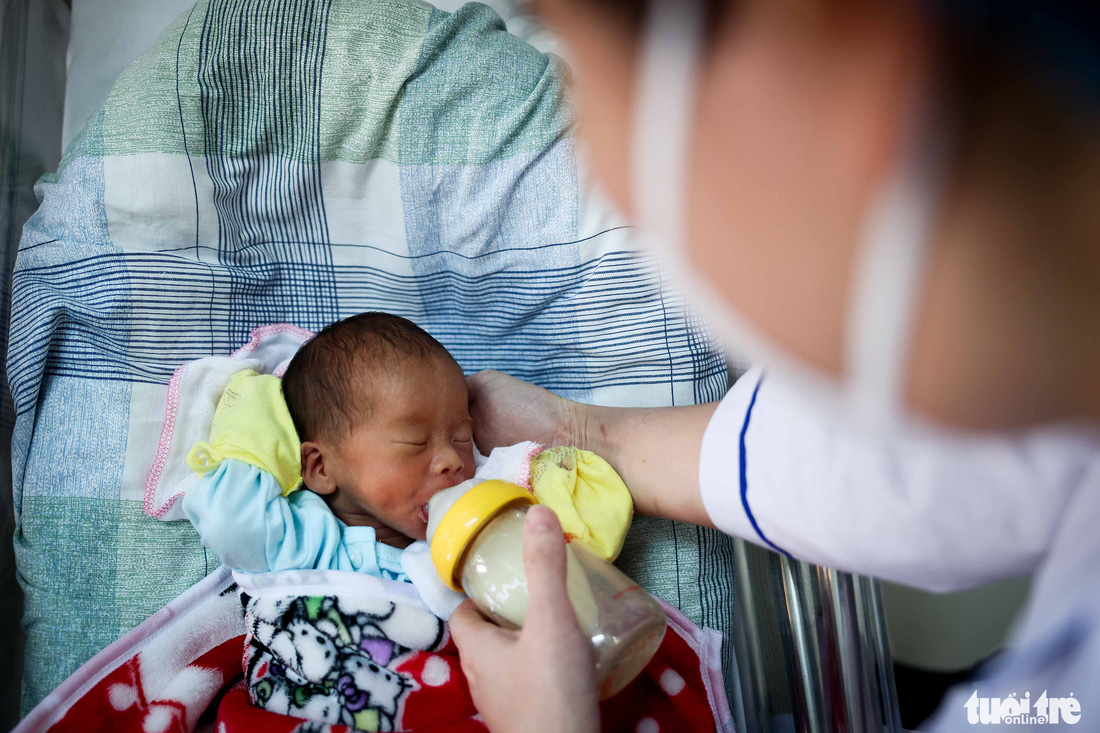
[{"x": 891, "y": 205}]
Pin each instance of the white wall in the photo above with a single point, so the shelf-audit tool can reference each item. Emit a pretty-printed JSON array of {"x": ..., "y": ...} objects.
[{"x": 950, "y": 631}]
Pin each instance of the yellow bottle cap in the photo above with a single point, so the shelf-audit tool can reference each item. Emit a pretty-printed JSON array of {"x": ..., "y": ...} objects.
[{"x": 473, "y": 510}]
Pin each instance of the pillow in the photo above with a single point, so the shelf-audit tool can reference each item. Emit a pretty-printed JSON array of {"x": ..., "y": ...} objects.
[{"x": 301, "y": 162}]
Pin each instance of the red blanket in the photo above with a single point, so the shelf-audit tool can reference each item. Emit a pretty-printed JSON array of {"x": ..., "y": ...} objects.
[{"x": 395, "y": 669}]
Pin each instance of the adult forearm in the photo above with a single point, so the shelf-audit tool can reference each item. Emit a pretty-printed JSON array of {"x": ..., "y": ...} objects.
[{"x": 655, "y": 450}]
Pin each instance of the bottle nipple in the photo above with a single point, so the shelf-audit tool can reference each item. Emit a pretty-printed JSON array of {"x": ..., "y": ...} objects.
[{"x": 444, "y": 500}]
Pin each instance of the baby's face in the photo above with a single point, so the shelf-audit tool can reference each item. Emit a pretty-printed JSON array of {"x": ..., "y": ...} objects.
[{"x": 417, "y": 441}]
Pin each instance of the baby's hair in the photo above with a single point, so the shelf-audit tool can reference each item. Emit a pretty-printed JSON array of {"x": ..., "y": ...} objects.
[{"x": 325, "y": 385}]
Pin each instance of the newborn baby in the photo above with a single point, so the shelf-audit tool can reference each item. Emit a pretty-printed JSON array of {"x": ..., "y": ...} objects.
[
  {"x": 381, "y": 412},
  {"x": 332, "y": 467}
]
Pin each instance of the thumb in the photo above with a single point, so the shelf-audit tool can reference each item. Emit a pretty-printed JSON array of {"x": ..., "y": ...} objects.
[{"x": 545, "y": 566}]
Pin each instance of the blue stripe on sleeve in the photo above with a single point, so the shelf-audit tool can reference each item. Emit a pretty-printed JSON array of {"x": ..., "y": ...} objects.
[{"x": 744, "y": 475}]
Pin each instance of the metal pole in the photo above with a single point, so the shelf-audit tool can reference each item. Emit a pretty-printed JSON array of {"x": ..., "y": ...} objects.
[{"x": 812, "y": 649}]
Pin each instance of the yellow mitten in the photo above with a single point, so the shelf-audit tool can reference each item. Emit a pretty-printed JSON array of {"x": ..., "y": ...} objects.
[
  {"x": 591, "y": 501},
  {"x": 253, "y": 425}
]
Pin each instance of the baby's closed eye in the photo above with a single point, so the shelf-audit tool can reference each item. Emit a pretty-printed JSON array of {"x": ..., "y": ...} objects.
[{"x": 464, "y": 432}]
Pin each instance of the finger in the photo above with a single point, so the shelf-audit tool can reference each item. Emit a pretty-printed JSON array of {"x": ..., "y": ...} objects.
[
  {"x": 476, "y": 382},
  {"x": 470, "y": 628},
  {"x": 544, "y": 563},
  {"x": 473, "y": 388}
]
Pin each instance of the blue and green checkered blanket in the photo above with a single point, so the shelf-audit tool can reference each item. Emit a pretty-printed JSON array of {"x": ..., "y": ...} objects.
[{"x": 299, "y": 161}]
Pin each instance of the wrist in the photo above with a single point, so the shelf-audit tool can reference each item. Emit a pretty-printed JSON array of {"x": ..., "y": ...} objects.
[
  {"x": 574, "y": 424},
  {"x": 590, "y": 428}
]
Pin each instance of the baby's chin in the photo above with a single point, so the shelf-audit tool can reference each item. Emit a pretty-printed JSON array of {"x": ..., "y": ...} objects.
[
  {"x": 410, "y": 527},
  {"x": 397, "y": 531}
]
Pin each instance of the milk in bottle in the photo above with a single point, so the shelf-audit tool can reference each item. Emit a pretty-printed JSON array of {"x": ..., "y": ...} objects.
[{"x": 476, "y": 535}]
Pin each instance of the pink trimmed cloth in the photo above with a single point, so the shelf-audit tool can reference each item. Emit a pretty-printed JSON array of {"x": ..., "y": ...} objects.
[{"x": 193, "y": 395}]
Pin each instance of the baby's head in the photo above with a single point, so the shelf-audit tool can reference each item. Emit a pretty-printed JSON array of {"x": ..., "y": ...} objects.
[{"x": 382, "y": 413}]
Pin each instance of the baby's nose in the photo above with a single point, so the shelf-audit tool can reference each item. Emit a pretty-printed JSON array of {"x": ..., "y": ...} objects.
[{"x": 449, "y": 463}]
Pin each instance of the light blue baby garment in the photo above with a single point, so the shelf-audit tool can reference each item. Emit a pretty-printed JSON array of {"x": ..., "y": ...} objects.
[{"x": 240, "y": 514}]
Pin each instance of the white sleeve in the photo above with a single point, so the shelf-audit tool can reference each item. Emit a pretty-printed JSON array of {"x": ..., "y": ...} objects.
[{"x": 939, "y": 511}]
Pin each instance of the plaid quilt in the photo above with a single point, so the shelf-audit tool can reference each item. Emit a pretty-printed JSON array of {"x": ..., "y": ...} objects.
[{"x": 300, "y": 161}]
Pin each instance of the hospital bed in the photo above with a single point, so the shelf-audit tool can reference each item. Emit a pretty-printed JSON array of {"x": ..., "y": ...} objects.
[{"x": 420, "y": 162}]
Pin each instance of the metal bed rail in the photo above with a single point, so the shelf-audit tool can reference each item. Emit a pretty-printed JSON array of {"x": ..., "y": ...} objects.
[{"x": 812, "y": 648}]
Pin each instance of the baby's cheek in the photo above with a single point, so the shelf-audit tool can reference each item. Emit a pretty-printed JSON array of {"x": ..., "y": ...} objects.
[{"x": 468, "y": 465}]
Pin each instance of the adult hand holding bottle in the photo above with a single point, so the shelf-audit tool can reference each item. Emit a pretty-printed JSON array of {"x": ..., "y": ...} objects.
[{"x": 544, "y": 671}]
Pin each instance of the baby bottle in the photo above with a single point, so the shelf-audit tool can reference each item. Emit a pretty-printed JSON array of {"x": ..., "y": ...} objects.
[{"x": 476, "y": 535}]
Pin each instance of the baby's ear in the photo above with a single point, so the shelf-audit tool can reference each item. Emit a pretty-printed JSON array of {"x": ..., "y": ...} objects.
[{"x": 314, "y": 475}]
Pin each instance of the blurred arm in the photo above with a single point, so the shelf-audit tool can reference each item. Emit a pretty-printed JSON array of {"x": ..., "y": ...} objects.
[{"x": 936, "y": 510}]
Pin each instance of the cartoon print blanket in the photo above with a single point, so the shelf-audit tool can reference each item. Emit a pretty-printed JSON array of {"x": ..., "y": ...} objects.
[{"x": 322, "y": 650}]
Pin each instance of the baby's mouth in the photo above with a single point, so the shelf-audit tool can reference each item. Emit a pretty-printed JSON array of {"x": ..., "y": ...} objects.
[{"x": 423, "y": 514}]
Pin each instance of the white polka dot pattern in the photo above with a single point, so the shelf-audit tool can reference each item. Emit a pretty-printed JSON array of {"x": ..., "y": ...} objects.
[
  {"x": 672, "y": 682},
  {"x": 437, "y": 672}
]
